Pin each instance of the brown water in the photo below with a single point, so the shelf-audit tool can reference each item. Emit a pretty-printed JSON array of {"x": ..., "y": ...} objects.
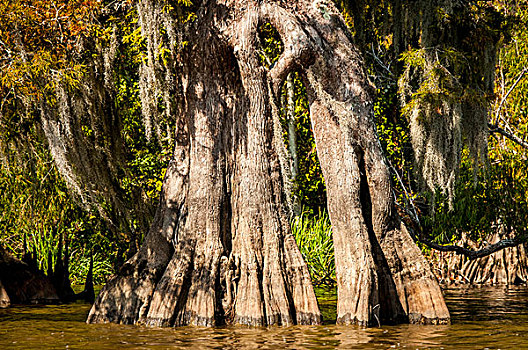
[{"x": 493, "y": 318}]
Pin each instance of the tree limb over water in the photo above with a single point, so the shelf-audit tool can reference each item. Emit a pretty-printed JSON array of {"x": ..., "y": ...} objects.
[{"x": 421, "y": 235}]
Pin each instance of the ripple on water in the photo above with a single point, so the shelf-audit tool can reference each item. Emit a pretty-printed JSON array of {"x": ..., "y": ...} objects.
[{"x": 482, "y": 318}]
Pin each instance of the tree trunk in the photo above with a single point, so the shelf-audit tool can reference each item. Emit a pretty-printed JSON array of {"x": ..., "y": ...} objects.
[
  {"x": 220, "y": 248},
  {"x": 381, "y": 272},
  {"x": 21, "y": 284},
  {"x": 4, "y": 298}
]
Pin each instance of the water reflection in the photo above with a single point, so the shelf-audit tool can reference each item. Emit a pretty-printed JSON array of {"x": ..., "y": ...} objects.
[{"x": 482, "y": 318}]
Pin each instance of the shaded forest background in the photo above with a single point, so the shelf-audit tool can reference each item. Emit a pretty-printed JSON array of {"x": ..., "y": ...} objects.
[{"x": 53, "y": 54}]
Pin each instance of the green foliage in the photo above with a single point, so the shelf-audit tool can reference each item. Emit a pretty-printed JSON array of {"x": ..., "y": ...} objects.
[
  {"x": 437, "y": 81},
  {"x": 271, "y": 45},
  {"x": 146, "y": 159},
  {"x": 441, "y": 75},
  {"x": 102, "y": 268},
  {"x": 393, "y": 133},
  {"x": 313, "y": 235},
  {"x": 35, "y": 205},
  {"x": 35, "y": 201},
  {"x": 513, "y": 60},
  {"x": 498, "y": 196}
]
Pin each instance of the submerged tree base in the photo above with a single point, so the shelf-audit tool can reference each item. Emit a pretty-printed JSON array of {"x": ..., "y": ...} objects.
[{"x": 22, "y": 284}]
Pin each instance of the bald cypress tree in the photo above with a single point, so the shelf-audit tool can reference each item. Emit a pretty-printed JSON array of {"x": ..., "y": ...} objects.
[{"x": 220, "y": 248}]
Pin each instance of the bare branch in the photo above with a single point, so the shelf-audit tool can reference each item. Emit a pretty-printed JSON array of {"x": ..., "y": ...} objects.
[
  {"x": 298, "y": 45},
  {"x": 471, "y": 254},
  {"x": 408, "y": 198},
  {"x": 380, "y": 62},
  {"x": 475, "y": 254},
  {"x": 512, "y": 137},
  {"x": 508, "y": 93}
]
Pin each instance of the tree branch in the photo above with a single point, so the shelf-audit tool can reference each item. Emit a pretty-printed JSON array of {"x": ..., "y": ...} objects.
[
  {"x": 475, "y": 254},
  {"x": 298, "y": 46},
  {"x": 469, "y": 253},
  {"x": 507, "y": 94},
  {"x": 512, "y": 137}
]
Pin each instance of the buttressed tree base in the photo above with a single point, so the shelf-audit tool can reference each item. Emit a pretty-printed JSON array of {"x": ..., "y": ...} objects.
[{"x": 220, "y": 248}]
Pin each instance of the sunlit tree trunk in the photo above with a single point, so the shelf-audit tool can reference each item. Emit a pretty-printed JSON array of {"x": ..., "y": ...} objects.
[{"x": 220, "y": 249}]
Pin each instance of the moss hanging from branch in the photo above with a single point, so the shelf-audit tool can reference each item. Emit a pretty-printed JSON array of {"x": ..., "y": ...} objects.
[
  {"x": 160, "y": 87},
  {"x": 447, "y": 51},
  {"x": 81, "y": 86}
]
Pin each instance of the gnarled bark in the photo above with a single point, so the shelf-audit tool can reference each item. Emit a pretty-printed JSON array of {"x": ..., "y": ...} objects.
[
  {"x": 381, "y": 273},
  {"x": 220, "y": 249}
]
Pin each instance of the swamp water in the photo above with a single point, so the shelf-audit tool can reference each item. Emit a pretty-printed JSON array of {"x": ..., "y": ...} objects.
[{"x": 493, "y": 318}]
